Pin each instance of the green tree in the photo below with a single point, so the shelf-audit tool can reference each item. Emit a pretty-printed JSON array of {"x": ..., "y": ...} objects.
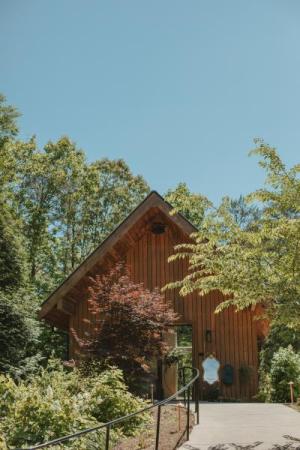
[
  {"x": 19, "y": 333},
  {"x": 55, "y": 209},
  {"x": 259, "y": 264},
  {"x": 111, "y": 193},
  {"x": 285, "y": 367},
  {"x": 8, "y": 143},
  {"x": 283, "y": 341},
  {"x": 12, "y": 257},
  {"x": 190, "y": 205},
  {"x": 14, "y": 335},
  {"x": 279, "y": 336},
  {"x": 18, "y": 329},
  {"x": 8, "y": 123},
  {"x": 68, "y": 206},
  {"x": 35, "y": 197},
  {"x": 243, "y": 213}
]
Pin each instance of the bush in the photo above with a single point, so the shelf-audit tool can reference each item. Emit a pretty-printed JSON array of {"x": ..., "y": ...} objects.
[
  {"x": 3, "y": 445},
  {"x": 110, "y": 399},
  {"x": 43, "y": 409},
  {"x": 278, "y": 336},
  {"x": 285, "y": 367},
  {"x": 56, "y": 403}
]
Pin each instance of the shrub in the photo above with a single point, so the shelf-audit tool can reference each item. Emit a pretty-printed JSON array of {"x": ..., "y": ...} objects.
[
  {"x": 43, "y": 409},
  {"x": 110, "y": 399},
  {"x": 278, "y": 336},
  {"x": 7, "y": 394},
  {"x": 56, "y": 403},
  {"x": 3, "y": 445},
  {"x": 285, "y": 367}
]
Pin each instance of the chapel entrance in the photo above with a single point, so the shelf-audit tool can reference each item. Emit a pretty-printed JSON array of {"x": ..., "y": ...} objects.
[
  {"x": 184, "y": 349},
  {"x": 179, "y": 340}
]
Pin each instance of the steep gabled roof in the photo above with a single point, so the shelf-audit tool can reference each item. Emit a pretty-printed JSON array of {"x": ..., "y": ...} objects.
[{"x": 53, "y": 309}]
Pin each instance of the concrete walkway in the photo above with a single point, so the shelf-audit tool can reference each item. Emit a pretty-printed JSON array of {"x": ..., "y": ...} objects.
[{"x": 225, "y": 426}]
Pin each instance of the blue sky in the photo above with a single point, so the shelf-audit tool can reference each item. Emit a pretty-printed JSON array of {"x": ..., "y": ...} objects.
[{"x": 179, "y": 89}]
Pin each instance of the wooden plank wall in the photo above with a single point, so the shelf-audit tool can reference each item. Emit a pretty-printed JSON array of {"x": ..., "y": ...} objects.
[{"x": 234, "y": 339}]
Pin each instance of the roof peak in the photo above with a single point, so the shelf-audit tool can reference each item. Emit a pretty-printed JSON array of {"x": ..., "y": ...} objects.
[{"x": 152, "y": 200}]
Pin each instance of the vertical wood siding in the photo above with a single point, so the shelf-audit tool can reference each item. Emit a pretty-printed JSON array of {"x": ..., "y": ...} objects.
[{"x": 234, "y": 338}]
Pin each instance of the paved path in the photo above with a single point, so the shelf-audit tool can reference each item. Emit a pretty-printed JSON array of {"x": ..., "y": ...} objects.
[{"x": 225, "y": 426}]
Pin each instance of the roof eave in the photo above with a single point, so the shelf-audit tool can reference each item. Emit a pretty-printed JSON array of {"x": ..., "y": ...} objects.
[{"x": 152, "y": 200}]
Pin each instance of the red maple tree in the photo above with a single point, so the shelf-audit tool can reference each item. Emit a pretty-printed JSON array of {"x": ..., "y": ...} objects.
[{"x": 128, "y": 323}]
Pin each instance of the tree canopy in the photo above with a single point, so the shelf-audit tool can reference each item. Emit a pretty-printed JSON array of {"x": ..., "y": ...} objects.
[
  {"x": 192, "y": 206},
  {"x": 8, "y": 123},
  {"x": 259, "y": 263},
  {"x": 67, "y": 205},
  {"x": 56, "y": 207}
]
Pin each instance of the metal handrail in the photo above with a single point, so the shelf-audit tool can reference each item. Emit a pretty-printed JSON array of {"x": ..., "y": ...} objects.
[{"x": 186, "y": 390}]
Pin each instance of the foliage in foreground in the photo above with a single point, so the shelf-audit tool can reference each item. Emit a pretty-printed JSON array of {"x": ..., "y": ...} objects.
[
  {"x": 56, "y": 403},
  {"x": 259, "y": 263},
  {"x": 128, "y": 324},
  {"x": 284, "y": 368}
]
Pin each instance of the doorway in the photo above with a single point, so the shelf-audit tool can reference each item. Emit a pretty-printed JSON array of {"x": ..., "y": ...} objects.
[
  {"x": 184, "y": 352},
  {"x": 179, "y": 340}
]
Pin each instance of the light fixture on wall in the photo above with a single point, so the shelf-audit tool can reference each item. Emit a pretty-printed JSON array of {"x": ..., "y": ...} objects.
[{"x": 208, "y": 336}]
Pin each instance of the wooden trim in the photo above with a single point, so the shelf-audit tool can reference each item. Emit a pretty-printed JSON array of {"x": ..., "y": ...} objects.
[{"x": 67, "y": 306}]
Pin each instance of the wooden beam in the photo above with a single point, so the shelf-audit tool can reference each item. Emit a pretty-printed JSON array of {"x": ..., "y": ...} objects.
[
  {"x": 58, "y": 319},
  {"x": 66, "y": 306}
]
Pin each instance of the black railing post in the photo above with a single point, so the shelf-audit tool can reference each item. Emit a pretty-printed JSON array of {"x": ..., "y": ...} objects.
[
  {"x": 183, "y": 382},
  {"x": 197, "y": 400},
  {"x": 188, "y": 415},
  {"x": 157, "y": 428},
  {"x": 107, "y": 437}
]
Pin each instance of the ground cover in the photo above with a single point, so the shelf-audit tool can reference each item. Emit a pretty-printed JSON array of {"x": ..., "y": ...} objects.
[{"x": 172, "y": 431}]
